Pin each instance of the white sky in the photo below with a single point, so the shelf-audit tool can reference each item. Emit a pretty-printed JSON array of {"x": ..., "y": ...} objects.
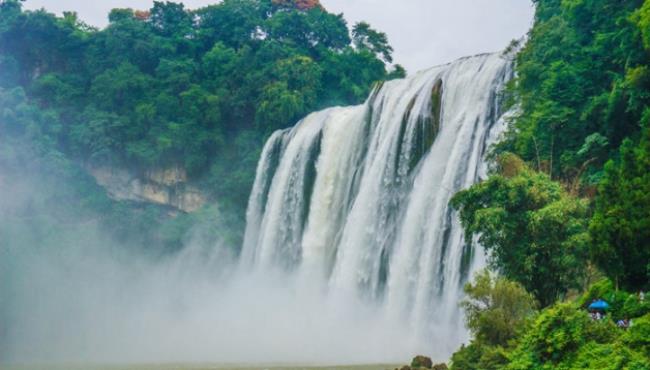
[{"x": 424, "y": 33}]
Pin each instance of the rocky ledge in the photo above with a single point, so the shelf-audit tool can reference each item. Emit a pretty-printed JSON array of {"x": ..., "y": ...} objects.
[{"x": 167, "y": 186}]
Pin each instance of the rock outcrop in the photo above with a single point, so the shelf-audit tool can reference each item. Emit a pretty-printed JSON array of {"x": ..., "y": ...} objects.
[{"x": 168, "y": 187}]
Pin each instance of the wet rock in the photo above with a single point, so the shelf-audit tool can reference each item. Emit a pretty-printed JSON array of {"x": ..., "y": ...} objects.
[{"x": 164, "y": 186}]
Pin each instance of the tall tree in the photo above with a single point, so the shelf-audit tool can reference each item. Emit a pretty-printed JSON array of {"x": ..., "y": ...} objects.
[
  {"x": 170, "y": 19},
  {"x": 364, "y": 37},
  {"x": 535, "y": 233},
  {"x": 621, "y": 224},
  {"x": 496, "y": 308},
  {"x": 580, "y": 73}
]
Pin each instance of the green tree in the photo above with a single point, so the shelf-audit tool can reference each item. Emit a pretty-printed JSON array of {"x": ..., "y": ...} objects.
[
  {"x": 497, "y": 312},
  {"x": 496, "y": 308},
  {"x": 564, "y": 337},
  {"x": 310, "y": 30},
  {"x": 170, "y": 19},
  {"x": 120, "y": 89},
  {"x": 292, "y": 94},
  {"x": 200, "y": 89},
  {"x": 233, "y": 22},
  {"x": 397, "y": 72},
  {"x": 127, "y": 39},
  {"x": 366, "y": 38},
  {"x": 582, "y": 72},
  {"x": 620, "y": 227},
  {"x": 535, "y": 233}
]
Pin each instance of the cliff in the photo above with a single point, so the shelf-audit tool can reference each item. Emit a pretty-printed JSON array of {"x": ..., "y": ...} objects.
[{"x": 166, "y": 186}]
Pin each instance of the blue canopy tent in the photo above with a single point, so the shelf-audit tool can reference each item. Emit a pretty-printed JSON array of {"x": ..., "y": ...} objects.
[{"x": 599, "y": 305}]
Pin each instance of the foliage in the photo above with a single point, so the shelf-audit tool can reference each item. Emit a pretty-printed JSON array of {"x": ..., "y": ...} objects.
[
  {"x": 581, "y": 92},
  {"x": 581, "y": 98},
  {"x": 200, "y": 89},
  {"x": 44, "y": 183},
  {"x": 582, "y": 80},
  {"x": 638, "y": 336},
  {"x": 620, "y": 227},
  {"x": 365, "y": 38},
  {"x": 622, "y": 304},
  {"x": 535, "y": 233},
  {"x": 479, "y": 356},
  {"x": 563, "y": 336},
  {"x": 496, "y": 308}
]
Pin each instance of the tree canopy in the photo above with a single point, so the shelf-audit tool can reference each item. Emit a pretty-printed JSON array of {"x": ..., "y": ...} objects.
[
  {"x": 620, "y": 227},
  {"x": 534, "y": 232},
  {"x": 582, "y": 74},
  {"x": 496, "y": 309},
  {"x": 170, "y": 86},
  {"x": 577, "y": 199}
]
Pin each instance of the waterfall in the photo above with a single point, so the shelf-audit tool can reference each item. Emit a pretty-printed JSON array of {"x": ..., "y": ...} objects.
[{"x": 357, "y": 198}]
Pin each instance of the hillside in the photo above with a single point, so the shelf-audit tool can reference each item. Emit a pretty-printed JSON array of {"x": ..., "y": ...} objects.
[
  {"x": 170, "y": 106},
  {"x": 565, "y": 213}
]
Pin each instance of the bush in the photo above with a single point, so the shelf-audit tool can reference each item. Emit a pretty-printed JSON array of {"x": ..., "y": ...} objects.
[
  {"x": 622, "y": 304},
  {"x": 564, "y": 337},
  {"x": 638, "y": 335},
  {"x": 496, "y": 308}
]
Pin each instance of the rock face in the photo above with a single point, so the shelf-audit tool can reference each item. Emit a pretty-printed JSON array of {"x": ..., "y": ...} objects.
[{"x": 168, "y": 187}]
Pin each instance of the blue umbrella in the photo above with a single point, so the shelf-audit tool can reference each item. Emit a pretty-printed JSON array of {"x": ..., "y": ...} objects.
[{"x": 599, "y": 305}]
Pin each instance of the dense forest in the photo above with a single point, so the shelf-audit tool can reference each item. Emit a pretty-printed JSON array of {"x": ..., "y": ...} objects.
[
  {"x": 565, "y": 213},
  {"x": 200, "y": 89}
]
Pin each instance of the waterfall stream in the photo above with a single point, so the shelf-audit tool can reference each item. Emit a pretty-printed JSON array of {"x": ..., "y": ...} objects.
[{"x": 356, "y": 199}]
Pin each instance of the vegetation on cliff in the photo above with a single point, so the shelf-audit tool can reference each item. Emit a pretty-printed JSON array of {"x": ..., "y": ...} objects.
[
  {"x": 562, "y": 336},
  {"x": 535, "y": 233},
  {"x": 582, "y": 90},
  {"x": 568, "y": 203},
  {"x": 201, "y": 89}
]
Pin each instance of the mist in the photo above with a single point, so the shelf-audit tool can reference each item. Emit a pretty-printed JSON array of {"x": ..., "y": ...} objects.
[{"x": 70, "y": 294}]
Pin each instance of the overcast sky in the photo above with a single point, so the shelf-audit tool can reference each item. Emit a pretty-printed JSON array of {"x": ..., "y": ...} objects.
[{"x": 424, "y": 33}]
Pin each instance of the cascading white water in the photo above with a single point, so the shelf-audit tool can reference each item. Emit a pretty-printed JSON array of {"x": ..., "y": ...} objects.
[{"x": 357, "y": 198}]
